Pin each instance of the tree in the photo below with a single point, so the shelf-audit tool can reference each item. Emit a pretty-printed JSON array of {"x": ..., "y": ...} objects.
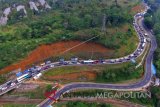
[
  {"x": 2, "y": 79},
  {"x": 148, "y": 22},
  {"x": 157, "y": 28},
  {"x": 116, "y": 2},
  {"x": 158, "y": 104},
  {"x": 48, "y": 88}
]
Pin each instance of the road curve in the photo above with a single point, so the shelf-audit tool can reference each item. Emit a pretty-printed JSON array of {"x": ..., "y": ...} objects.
[
  {"x": 12, "y": 84},
  {"x": 136, "y": 86}
]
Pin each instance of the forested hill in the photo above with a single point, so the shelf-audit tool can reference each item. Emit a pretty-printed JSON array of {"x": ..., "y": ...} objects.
[
  {"x": 65, "y": 20},
  {"x": 152, "y": 21},
  {"x": 20, "y": 8}
]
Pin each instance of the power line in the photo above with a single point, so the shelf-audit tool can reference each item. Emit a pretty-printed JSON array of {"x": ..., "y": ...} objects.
[{"x": 78, "y": 45}]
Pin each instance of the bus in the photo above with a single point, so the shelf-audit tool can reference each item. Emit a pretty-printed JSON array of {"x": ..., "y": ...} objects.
[
  {"x": 88, "y": 61},
  {"x": 23, "y": 77}
]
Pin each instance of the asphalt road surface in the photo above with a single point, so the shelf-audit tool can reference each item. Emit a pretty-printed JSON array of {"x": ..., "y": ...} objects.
[{"x": 143, "y": 83}]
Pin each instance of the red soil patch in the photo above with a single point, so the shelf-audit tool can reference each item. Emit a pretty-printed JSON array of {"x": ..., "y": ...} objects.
[
  {"x": 83, "y": 75},
  {"x": 138, "y": 8},
  {"x": 55, "y": 49}
]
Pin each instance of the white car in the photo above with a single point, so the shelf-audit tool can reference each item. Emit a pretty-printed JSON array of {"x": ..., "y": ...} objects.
[
  {"x": 51, "y": 65},
  {"x": 4, "y": 88},
  {"x": 13, "y": 84},
  {"x": 112, "y": 60}
]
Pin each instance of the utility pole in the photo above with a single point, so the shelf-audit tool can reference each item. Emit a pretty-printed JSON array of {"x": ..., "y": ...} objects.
[{"x": 104, "y": 23}]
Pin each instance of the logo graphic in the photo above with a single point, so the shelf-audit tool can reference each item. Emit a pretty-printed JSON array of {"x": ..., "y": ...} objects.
[{"x": 48, "y": 95}]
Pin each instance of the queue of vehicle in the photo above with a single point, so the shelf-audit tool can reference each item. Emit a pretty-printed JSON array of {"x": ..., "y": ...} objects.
[{"x": 36, "y": 71}]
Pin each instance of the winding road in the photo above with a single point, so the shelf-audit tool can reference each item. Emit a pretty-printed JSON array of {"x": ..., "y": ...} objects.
[{"x": 135, "y": 86}]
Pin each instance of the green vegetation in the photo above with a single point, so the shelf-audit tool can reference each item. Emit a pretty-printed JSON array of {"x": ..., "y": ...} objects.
[
  {"x": 155, "y": 96},
  {"x": 120, "y": 74},
  {"x": 152, "y": 21},
  {"x": 147, "y": 102},
  {"x": 68, "y": 20},
  {"x": 48, "y": 88},
  {"x": 2, "y": 79},
  {"x": 38, "y": 93},
  {"x": 72, "y": 69},
  {"x": 82, "y": 104},
  {"x": 105, "y": 73}
]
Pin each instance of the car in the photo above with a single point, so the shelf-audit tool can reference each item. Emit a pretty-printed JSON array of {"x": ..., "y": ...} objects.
[
  {"x": 13, "y": 84},
  {"x": 57, "y": 64},
  {"x": 128, "y": 58},
  {"x": 96, "y": 62},
  {"x": 112, "y": 60},
  {"x": 65, "y": 63},
  {"x": 9, "y": 82},
  {"x": 101, "y": 60},
  {"x": 121, "y": 60},
  {"x": 39, "y": 68},
  {"x": 47, "y": 62},
  {"x": 131, "y": 55},
  {"x": 51, "y": 65},
  {"x": 42, "y": 64},
  {"x": 46, "y": 67},
  {"x": 117, "y": 60},
  {"x": 4, "y": 88},
  {"x": 138, "y": 53},
  {"x": 125, "y": 57}
]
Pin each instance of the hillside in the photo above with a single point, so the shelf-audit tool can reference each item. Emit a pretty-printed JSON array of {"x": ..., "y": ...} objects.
[{"x": 65, "y": 20}]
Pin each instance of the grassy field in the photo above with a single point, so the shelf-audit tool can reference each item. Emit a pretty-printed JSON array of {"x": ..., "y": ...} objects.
[
  {"x": 38, "y": 93},
  {"x": 119, "y": 71},
  {"x": 72, "y": 69}
]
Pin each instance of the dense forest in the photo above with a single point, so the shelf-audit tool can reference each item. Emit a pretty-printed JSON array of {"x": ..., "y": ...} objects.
[
  {"x": 126, "y": 72},
  {"x": 67, "y": 20},
  {"x": 152, "y": 21}
]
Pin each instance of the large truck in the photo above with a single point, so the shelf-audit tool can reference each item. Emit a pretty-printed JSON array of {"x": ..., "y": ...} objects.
[
  {"x": 88, "y": 61},
  {"x": 37, "y": 76},
  {"x": 143, "y": 45},
  {"x": 144, "y": 40}
]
